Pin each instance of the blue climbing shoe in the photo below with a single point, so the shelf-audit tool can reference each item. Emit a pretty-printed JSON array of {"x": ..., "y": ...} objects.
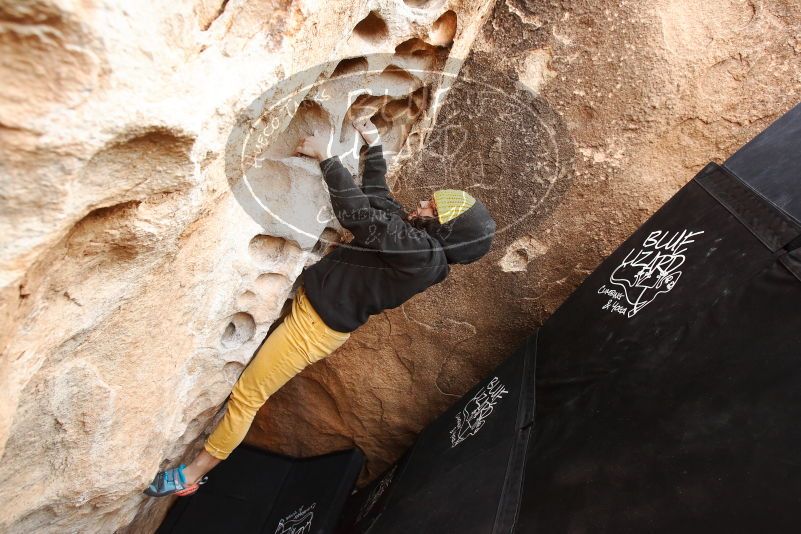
[{"x": 172, "y": 481}]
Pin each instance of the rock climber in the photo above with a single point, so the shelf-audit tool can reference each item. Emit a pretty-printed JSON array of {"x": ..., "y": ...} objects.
[{"x": 394, "y": 255}]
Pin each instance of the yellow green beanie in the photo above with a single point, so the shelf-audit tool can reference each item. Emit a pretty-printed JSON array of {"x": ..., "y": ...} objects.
[{"x": 451, "y": 203}]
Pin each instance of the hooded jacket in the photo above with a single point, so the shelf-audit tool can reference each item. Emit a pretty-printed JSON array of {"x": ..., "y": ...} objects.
[{"x": 389, "y": 260}]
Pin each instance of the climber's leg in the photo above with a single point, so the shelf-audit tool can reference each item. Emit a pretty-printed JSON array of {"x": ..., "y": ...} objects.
[
  {"x": 202, "y": 464},
  {"x": 300, "y": 340}
]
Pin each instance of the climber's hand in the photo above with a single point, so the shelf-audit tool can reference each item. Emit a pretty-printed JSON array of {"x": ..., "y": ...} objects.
[
  {"x": 316, "y": 146},
  {"x": 367, "y": 129}
]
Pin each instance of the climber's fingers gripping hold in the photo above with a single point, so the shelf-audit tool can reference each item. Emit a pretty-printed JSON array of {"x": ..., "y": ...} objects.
[
  {"x": 316, "y": 146},
  {"x": 367, "y": 129}
]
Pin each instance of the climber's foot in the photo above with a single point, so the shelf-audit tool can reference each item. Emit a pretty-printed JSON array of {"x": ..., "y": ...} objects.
[{"x": 172, "y": 481}]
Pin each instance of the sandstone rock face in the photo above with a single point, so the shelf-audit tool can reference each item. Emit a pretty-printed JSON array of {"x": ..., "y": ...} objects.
[
  {"x": 606, "y": 110},
  {"x": 135, "y": 283}
]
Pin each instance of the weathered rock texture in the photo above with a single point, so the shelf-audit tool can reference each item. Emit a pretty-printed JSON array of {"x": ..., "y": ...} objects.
[
  {"x": 629, "y": 100},
  {"x": 135, "y": 287}
]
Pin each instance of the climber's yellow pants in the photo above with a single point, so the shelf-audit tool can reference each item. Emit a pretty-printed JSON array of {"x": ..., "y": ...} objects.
[{"x": 300, "y": 340}]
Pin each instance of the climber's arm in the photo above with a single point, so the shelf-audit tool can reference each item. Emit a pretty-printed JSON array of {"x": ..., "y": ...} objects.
[
  {"x": 375, "y": 170},
  {"x": 371, "y": 227},
  {"x": 374, "y": 182}
]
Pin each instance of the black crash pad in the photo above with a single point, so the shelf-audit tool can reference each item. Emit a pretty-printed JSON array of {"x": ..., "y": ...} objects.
[
  {"x": 464, "y": 471},
  {"x": 365, "y": 505},
  {"x": 669, "y": 382},
  {"x": 771, "y": 163},
  {"x": 254, "y": 491}
]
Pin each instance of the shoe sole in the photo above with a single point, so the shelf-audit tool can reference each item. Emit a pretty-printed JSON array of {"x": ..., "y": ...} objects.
[{"x": 187, "y": 491}]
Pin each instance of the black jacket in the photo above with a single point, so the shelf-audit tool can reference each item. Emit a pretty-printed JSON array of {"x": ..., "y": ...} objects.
[{"x": 389, "y": 260}]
